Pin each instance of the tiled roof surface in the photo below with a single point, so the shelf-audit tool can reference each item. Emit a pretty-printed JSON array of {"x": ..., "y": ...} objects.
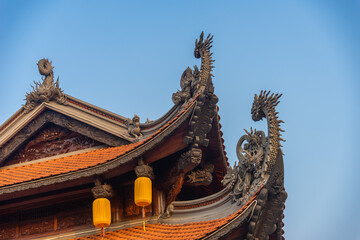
[
  {"x": 33, "y": 171},
  {"x": 164, "y": 231},
  {"x": 57, "y": 166},
  {"x": 159, "y": 231}
]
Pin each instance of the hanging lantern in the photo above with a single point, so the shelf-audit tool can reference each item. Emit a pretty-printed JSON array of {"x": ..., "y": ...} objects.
[
  {"x": 143, "y": 194},
  {"x": 101, "y": 212},
  {"x": 143, "y": 191}
]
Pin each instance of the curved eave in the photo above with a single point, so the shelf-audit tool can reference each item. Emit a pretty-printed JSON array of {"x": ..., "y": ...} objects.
[
  {"x": 147, "y": 144},
  {"x": 213, "y": 221},
  {"x": 115, "y": 126}
]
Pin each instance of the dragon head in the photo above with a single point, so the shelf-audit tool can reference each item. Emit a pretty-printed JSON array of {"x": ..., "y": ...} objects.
[
  {"x": 45, "y": 67},
  {"x": 257, "y": 112},
  {"x": 202, "y": 45},
  {"x": 263, "y": 103}
]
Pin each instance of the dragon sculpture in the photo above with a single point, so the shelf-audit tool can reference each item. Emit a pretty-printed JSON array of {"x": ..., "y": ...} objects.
[
  {"x": 258, "y": 156},
  {"x": 260, "y": 167},
  {"x": 202, "y": 50},
  {"x": 246, "y": 177},
  {"x": 193, "y": 82},
  {"x": 45, "y": 91},
  {"x": 264, "y": 107}
]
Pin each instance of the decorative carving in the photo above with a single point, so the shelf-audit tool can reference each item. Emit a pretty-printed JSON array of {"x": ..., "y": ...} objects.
[
  {"x": 52, "y": 140},
  {"x": 264, "y": 106},
  {"x": 60, "y": 120},
  {"x": 40, "y": 226},
  {"x": 268, "y": 217},
  {"x": 143, "y": 170},
  {"x": 7, "y": 231},
  {"x": 175, "y": 177},
  {"x": 45, "y": 91},
  {"x": 74, "y": 219},
  {"x": 259, "y": 154},
  {"x": 101, "y": 190},
  {"x": 197, "y": 81},
  {"x": 186, "y": 83},
  {"x": 134, "y": 127},
  {"x": 101, "y": 168},
  {"x": 260, "y": 163},
  {"x": 256, "y": 213},
  {"x": 202, "y": 50},
  {"x": 168, "y": 211},
  {"x": 201, "y": 122},
  {"x": 240, "y": 179},
  {"x": 189, "y": 160},
  {"x": 201, "y": 177},
  {"x": 148, "y": 120}
]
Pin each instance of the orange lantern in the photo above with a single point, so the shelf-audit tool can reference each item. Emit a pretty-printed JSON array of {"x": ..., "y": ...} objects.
[
  {"x": 143, "y": 194},
  {"x": 143, "y": 191},
  {"x": 101, "y": 212}
]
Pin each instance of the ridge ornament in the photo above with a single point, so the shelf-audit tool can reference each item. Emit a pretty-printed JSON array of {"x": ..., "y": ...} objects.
[{"x": 47, "y": 90}]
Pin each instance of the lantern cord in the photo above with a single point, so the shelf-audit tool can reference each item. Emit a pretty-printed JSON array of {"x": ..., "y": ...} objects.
[
  {"x": 102, "y": 233},
  {"x": 143, "y": 217}
]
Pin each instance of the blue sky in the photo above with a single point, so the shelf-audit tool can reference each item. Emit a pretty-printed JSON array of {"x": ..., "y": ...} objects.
[{"x": 127, "y": 57}]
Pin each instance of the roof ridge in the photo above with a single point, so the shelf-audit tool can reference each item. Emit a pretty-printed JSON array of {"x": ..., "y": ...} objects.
[{"x": 106, "y": 155}]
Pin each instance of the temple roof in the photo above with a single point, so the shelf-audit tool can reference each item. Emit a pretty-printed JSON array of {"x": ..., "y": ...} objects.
[
  {"x": 198, "y": 196},
  {"x": 47, "y": 171}
]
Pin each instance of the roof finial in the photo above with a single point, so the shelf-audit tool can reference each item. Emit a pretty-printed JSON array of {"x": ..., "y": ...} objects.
[{"x": 45, "y": 91}]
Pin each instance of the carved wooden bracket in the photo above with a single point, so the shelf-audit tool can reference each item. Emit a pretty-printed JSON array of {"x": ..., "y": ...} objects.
[
  {"x": 189, "y": 160},
  {"x": 201, "y": 122},
  {"x": 143, "y": 170},
  {"x": 101, "y": 190},
  {"x": 201, "y": 177}
]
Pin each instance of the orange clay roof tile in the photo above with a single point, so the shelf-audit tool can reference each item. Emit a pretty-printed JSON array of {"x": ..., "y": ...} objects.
[
  {"x": 33, "y": 171},
  {"x": 57, "y": 166}
]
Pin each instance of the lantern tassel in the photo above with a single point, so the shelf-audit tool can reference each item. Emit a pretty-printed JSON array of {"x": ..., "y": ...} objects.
[
  {"x": 102, "y": 233},
  {"x": 143, "y": 217}
]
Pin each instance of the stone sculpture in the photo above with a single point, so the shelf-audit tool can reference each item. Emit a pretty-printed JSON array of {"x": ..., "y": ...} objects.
[
  {"x": 134, "y": 127},
  {"x": 45, "y": 91}
]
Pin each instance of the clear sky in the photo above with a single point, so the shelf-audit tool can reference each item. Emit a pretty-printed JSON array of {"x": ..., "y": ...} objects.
[{"x": 127, "y": 57}]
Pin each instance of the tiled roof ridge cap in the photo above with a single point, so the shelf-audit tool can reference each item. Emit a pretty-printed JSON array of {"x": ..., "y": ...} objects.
[{"x": 97, "y": 110}]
